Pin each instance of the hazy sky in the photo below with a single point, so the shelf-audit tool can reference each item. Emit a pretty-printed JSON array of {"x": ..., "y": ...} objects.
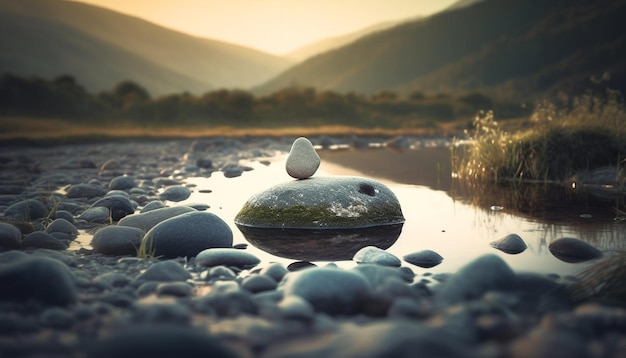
[{"x": 275, "y": 26}]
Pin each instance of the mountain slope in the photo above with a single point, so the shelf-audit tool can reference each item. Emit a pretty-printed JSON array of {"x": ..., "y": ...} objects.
[
  {"x": 333, "y": 42},
  {"x": 489, "y": 45},
  {"x": 209, "y": 63}
]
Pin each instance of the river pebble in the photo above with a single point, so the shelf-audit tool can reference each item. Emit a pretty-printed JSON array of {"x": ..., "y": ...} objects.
[
  {"x": 117, "y": 240},
  {"x": 573, "y": 250},
  {"x": 148, "y": 219},
  {"x": 226, "y": 257},
  {"x": 168, "y": 270},
  {"x": 511, "y": 244},
  {"x": 303, "y": 160},
  {"x": 40, "y": 279},
  {"x": 10, "y": 237},
  {"x": 188, "y": 234},
  {"x": 175, "y": 193},
  {"x": 423, "y": 258},
  {"x": 42, "y": 240},
  {"x": 329, "y": 290},
  {"x": 374, "y": 255}
]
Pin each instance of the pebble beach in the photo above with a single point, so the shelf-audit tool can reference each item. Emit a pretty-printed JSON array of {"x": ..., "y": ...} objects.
[{"x": 59, "y": 299}]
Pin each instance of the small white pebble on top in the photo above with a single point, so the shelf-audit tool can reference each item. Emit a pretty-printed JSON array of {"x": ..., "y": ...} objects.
[{"x": 303, "y": 160}]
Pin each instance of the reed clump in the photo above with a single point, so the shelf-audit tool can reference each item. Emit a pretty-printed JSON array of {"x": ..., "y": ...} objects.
[{"x": 578, "y": 135}]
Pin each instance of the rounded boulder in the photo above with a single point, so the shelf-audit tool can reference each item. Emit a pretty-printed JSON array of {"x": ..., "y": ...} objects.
[{"x": 187, "y": 234}]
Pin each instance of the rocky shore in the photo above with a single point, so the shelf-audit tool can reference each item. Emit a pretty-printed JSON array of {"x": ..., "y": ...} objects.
[{"x": 188, "y": 301}]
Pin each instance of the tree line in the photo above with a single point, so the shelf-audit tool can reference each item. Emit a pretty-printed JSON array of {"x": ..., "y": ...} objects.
[{"x": 63, "y": 97}]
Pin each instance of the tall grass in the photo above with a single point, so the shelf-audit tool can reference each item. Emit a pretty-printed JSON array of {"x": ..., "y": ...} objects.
[{"x": 559, "y": 141}]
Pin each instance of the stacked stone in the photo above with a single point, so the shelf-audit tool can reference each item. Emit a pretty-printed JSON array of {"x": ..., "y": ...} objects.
[{"x": 303, "y": 160}]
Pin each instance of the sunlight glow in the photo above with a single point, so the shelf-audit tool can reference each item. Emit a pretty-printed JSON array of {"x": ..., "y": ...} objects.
[{"x": 275, "y": 26}]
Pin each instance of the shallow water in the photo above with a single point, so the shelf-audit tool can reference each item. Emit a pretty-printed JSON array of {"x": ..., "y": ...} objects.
[{"x": 458, "y": 223}]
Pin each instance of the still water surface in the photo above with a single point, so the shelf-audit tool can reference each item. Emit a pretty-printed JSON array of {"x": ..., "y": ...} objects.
[{"x": 457, "y": 223}]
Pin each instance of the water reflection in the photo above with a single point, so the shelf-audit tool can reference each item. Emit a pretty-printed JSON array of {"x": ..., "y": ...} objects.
[
  {"x": 322, "y": 244},
  {"x": 456, "y": 222}
]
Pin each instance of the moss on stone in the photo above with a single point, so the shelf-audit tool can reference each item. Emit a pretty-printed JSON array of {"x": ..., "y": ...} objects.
[{"x": 302, "y": 216}]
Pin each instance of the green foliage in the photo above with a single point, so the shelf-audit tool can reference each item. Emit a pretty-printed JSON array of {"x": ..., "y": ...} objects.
[
  {"x": 583, "y": 133},
  {"x": 131, "y": 103}
]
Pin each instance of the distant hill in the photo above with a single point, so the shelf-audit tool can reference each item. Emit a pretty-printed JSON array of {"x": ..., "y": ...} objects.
[
  {"x": 514, "y": 47},
  {"x": 333, "y": 42},
  {"x": 102, "y": 47}
]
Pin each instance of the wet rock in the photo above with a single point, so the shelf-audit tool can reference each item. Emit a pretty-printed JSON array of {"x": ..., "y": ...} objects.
[
  {"x": 376, "y": 275},
  {"x": 161, "y": 340},
  {"x": 274, "y": 270},
  {"x": 511, "y": 244},
  {"x": 10, "y": 237},
  {"x": 374, "y": 255},
  {"x": 165, "y": 271},
  {"x": 85, "y": 190},
  {"x": 12, "y": 256},
  {"x": 122, "y": 183},
  {"x": 117, "y": 240},
  {"x": 322, "y": 202},
  {"x": 258, "y": 283},
  {"x": 26, "y": 210},
  {"x": 176, "y": 289},
  {"x": 175, "y": 193},
  {"x": 486, "y": 273},
  {"x": 188, "y": 234},
  {"x": 97, "y": 215},
  {"x": 329, "y": 290},
  {"x": 423, "y": 258},
  {"x": 152, "y": 205},
  {"x": 64, "y": 214},
  {"x": 226, "y": 257},
  {"x": 42, "y": 240},
  {"x": 303, "y": 160},
  {"x": 119, "y": 206},
  {"x": 573, "y": 250},
  {"x": 147, "y": 220},
  {"x": 40, "y": 279},
  {"x": 62, "y": 226}
]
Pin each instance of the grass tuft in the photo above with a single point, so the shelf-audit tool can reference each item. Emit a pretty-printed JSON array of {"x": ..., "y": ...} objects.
[
  {"x": 604, "y": 281},
  {"x": 579, "y": 135}
]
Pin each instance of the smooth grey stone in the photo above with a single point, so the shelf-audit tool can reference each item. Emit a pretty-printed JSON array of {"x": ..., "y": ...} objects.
[
  {"x": 26, "y": 210},
  {"x": 162, "y": 313},
  {"x": 374, "y": 255},
  {"x": 330, "y": 290},
  {"x": 122, "y": 183},
  {"x": 149, "y": 219},
  {"x": 64, "y": 214},
  {"x": 10, "y": 237},
  {"x": 424, "y": 258},
  {"x": 42, "y": 240},
  {"x": 296, "y": 307},
  {"x": 154, "y": 204},
  {"x": 486, "y": 273},
  {"x": 62, "y": 226},
  {"x": 188, "y": 234},
  {"x": 175, "y": 193},
  {"x": 117, "y": 240},
  {"x": 510, "y": 244},
  {"x": 40, "y": 279},
  {"x": 165, "y": 271},
  {"x": 322, "y": 202},
  {"x": 226, "y": 257},
  {"x": 274, "y": 270},
  {"x": 12, "y": 256},
  {"x": 573, "y": 250},
  {"x": 117, "y": 192},
  {"x": 303, "y": 160},
  {"x": 228, "y": 302},
  {"x": 119, "y": 206},
  {"x": 98, "y": 215},
  {"x": 87, "y": 191},
  {"x": 258, "y": 283},
  {"x": 219, "y": 273},
  {"x": 159, "y": 340},
  {"x": 176, "y": 289},
  {"x": 378, "y": 274}
]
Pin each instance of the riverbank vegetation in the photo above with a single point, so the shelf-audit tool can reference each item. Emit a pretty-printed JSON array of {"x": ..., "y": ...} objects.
[{"x": 571, "y": 137}]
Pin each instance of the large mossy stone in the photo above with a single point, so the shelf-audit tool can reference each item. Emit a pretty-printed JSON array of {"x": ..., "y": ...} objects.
[{"x": 322, "y": 202}]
